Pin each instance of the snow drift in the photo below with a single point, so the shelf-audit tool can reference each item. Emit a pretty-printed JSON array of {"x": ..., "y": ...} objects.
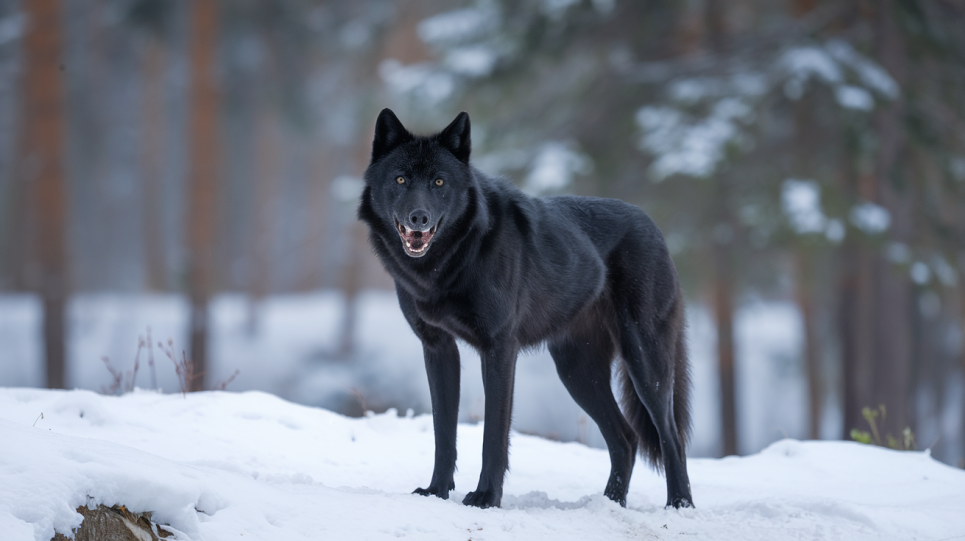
[{"x": 224, "y": 465}]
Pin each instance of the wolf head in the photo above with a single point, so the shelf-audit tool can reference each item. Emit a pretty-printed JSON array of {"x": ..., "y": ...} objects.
[{"x": 417, "y": 186}]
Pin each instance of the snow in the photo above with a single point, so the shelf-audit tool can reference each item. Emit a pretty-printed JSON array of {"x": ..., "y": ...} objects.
[
  {"x": 830, "y": 62},
  {"x": 21, "y": 334},
  {"x": 220, "y": 465},
  {"x": 290, "y": 353},
  {"x": 801, "y": 200},
  {"x": 920, "y": 273},
  {"x": 854, "y": 97},
  {"x": 11, "y": 28},
  {"x": 687, "y": 145},
  {"x": 898, "y": 252},
  {"x": 870, "y": 217},
  {"x": 692, "y": 90},
  {"x": 431, "y": 85},
  {"x": 835, "y": 230},
  {"x": 689, "y": 91},
  {"x": 555, "y": 9},
  {"x": 456, "y": 35},
  {"x": 944, "y": 271},
  {"x": 811, "y": 61},
  {"x": 958, "y": 168},
  {"x": 775, "y": 410},
  {"x": 458, "y": 25},
  {"x": 554, "y": 167},
  {"x": 471, "y": 61},
  {"x": 692, "y": 131},
  {"x": 868, "y": 71}
]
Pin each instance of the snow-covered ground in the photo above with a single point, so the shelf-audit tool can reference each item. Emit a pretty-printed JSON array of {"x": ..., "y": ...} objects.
[
  {"x": 289, "y": 355},
  {"x": 221, "y": 465}
]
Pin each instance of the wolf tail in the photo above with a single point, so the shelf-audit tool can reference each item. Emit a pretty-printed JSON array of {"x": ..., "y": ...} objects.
[{"x": 637, "y": 414}]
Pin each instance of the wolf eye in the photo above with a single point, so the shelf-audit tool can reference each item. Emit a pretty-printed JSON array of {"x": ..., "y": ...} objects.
[
  {"x": 400, "y": 180},
  {"x": 439, "y": 182}
]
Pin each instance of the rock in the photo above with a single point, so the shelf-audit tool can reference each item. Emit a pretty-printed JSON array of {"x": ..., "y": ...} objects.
[{"x": 115, "y": 524}]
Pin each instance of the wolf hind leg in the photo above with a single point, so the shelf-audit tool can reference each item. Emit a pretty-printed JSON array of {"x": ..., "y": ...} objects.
[
  {"x": 651, "y": 364},
  {"x": 583, "y": 360}
]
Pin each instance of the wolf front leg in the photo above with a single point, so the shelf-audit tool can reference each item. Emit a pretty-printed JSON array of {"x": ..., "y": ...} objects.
[
  {"x": 442, "y": 367},
  {"x": 499, "y": 372}
]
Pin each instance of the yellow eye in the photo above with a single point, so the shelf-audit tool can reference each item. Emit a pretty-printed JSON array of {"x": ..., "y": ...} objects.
[
  {"x": 400, "y": 180},
  {"x": 439, "y": 182}
]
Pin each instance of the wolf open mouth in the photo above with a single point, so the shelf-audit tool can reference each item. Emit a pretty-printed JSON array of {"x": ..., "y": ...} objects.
[{"x": 416, "y": 243}]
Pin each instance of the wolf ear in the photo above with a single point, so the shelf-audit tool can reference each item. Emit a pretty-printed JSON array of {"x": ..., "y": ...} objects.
[
  {"x": 389, "y": 133},
  {"x": 456, "y": 137}
]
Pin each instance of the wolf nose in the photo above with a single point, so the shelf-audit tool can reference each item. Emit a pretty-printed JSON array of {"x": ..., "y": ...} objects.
[{"x": 419, "y": 217}]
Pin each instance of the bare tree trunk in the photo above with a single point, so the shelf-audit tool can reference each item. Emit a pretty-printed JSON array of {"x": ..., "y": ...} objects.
[
  {"x": 99, "y": 82},
  {"x": 723, "y": 290},
  {"x": 268, "y": 174},
  {"x": 43, "y": 145},
  {"x": 202, "y": 178},
  {"x": 723, "y": 284},
  {"x": 961, "y": 321},
  {"x": 153, "y": 128},
  {"x": 812, "y": 356},
  {"x": 892, "y": 340},
  {"x": 724, "y": 312},
  {"x": 856, "y": 321},
  {"x": 876, "y": 321},
  {"x": 847, "y": 288},
  {"x": 807, "y": 135}
]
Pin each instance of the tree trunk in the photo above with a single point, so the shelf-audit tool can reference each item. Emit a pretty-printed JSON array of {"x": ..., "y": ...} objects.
[
  {"x": 847, "y": 288},
  {"x": 961, "y": 321},
  {"x": 876, "y": 305},
  {"x": 268, "y": 177},
  {"x": 812, "y": 356},
  {"x": 715, "y": 36},
  {"x": 42, "y": 165},
  {"x": 153, "y": 147},
  {"x": 856, "y": 323},
  {"x": 724, "y": 312},
  {"x": 723, "y": 283},
  {"x": 202, "y": 179},
  {"x": 892, "y": 340},
  {"x": 806, "y": 140}
]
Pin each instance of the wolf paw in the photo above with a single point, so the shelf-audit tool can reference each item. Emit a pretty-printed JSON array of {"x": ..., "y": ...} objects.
[
  {"x": 436, "y": 489},
  {"x": 482, "y": 499},
  {"x": 431, "y": 491},
  {"x": 617, "y": 495},
  {"x": 679, "y": 502}
]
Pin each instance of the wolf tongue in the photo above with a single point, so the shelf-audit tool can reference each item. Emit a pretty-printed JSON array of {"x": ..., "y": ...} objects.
[{"x": 414, "y": 239}]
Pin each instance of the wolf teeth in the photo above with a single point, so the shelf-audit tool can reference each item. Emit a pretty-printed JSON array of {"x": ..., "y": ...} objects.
[{"x": 407, "y": 235}]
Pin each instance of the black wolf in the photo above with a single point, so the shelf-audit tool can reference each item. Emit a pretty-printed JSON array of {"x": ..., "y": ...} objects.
[{"x": 476, "y": 259}]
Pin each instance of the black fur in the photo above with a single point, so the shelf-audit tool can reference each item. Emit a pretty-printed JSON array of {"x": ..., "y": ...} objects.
[{"x": 487, "y": 264}]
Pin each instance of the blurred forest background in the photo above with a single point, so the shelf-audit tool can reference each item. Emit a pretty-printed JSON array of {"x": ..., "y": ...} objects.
[{"x": 810, "y": 152}]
